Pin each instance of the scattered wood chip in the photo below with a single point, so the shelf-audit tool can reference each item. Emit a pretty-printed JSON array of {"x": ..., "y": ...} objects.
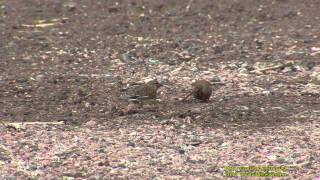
[
  {"x": 22, "y": 125},
  {"x": 264, "y": 70}
]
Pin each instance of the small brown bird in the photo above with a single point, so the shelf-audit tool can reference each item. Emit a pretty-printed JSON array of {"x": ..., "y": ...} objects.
[
  {"x": 146, "y": 91},
  {"x": 202, "y": 90}
]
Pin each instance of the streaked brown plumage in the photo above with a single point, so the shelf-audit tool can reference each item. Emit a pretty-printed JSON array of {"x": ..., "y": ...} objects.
[
  {"x": 202, "y": 90},
  {"x": 145, "y": 91}
]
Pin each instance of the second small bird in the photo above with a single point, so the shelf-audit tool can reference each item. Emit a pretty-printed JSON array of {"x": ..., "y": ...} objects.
[{"x": 202, "y": 90}]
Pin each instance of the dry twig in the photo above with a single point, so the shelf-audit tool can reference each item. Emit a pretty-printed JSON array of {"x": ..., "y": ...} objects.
[{"x": 261, "y": 71}]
